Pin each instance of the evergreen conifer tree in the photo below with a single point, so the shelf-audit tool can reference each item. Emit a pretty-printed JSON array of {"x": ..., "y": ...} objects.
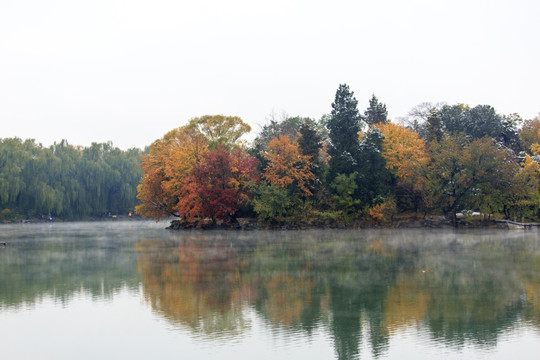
[
  {"x": 434, "y": 126},
  {"x": 310, "y": 143},
  {"x": 376, "y": 112},
  {"x": 343, "y": 126}
]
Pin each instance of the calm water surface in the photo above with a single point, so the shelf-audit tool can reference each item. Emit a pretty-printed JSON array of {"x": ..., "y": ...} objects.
[{"x": 132, "y": 290}]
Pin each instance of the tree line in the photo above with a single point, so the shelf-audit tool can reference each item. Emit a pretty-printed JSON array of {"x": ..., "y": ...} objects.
[
  {"x": 66, "y": 181},
  {"x": 348, "y": 167}
]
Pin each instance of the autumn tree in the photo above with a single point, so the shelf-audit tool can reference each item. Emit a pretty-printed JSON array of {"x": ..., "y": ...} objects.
[
  {"x": 525, "y": 200},
  {"x": 535, "y": 147},
  {"x": 167, "y": 176},
  {"x": 219, "y": 129},
  {"x": 223, "y": 179},
  {"x": 406, "y": 158},
  {"x": 287, "y": 167},
  {"x": 287, "y": 173},
  {"x": 529, "y": 134},
  {"x": 288, "y": 126},
  {"x": 523, "y": 195},
  {"x": 176, "y": 180}
]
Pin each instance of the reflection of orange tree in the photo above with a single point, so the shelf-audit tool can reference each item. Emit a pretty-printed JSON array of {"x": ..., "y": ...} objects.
[
  {"x": 459, "y": 291},
  {"x": 532, "y": 290},
  {"x": 196, "y": 284},
  {"x": 406, "y": 299},
  {"x": 288, "y": 296},
  {"x": 207, "y": 284},
  {"x": 405, "y": 304}
]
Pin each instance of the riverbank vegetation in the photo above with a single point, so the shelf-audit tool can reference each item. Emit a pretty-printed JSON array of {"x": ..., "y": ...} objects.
[
  {"x": 348, "y": 168},
  {"x": 65, "y": 181}
]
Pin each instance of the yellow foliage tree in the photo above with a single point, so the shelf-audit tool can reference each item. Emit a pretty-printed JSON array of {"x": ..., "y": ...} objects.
[
  {"x": 219, "y": 129},
  {"x": 407, "y": 158},
  {"x": 405, "y": 153}
]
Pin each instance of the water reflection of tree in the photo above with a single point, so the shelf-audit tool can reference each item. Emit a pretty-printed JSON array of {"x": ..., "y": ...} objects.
[
  {"x": 465, "y": 291},
  {"x": 197, "y": 283},
  {"x": 62, "y": 267},
  {"x": 354, "y": 284}
]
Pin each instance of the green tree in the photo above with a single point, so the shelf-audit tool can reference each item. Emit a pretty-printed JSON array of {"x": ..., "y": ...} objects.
[
  {"x": 310, "y": 143},
  {"x": 374, "y": 180},
  {"x": 344, "y": 125},
  {"x": 464, "y": 173},
  {"x": 376, "y": 112},
  {"x": 13, "y": 158},
  {"x": 271, "y": 202},
  {"x": 434, "y": 126},
  {"x": 66, "y": 181},
  {"x": 344, "y": 187},
  {"x": 480, "y": 121}
]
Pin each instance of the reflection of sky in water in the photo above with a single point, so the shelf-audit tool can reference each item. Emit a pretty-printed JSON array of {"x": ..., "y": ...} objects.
[
  {"x": 124, "y": 327},
  {"x": 107, "y": 290}
]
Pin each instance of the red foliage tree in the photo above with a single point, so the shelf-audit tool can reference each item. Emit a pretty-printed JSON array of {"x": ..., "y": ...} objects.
[{"x": 222, "y": 178}]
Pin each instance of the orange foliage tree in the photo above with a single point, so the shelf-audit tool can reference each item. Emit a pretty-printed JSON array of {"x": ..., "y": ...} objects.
[
  {"x": 181, "y": 175},
  {"x": 287, "y": 167},
  {"x": 167, "y": 172}
]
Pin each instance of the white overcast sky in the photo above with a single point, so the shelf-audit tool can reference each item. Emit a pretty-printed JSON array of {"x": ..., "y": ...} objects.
[{"x": 128, "y": 71}]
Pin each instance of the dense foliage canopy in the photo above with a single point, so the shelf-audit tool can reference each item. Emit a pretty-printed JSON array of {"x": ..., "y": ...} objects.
[
  {"x": 345, "y": 168},
  {"x": 66, "y": 181}
]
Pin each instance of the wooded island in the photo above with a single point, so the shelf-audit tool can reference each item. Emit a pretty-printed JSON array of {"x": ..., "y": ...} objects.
[{"x": 347, "y": 168}]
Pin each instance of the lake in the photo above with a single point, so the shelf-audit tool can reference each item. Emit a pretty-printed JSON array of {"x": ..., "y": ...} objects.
[{"x": 133, "y": 290}]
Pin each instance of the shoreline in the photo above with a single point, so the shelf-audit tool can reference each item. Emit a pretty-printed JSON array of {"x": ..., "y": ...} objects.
[
  {"x": 90, "y": 219},
  {"x": 250, "y": 224}
]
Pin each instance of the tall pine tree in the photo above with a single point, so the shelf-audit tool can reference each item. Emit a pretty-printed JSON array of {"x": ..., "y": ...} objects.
[
  {"x": 376, "y": 112},
  {"x": 343, "y": 126},
  {"x": 310, "y": 143}
]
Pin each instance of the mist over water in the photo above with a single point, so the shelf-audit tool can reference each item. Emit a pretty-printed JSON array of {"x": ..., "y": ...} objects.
[{"x": 133, "y": 289}]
